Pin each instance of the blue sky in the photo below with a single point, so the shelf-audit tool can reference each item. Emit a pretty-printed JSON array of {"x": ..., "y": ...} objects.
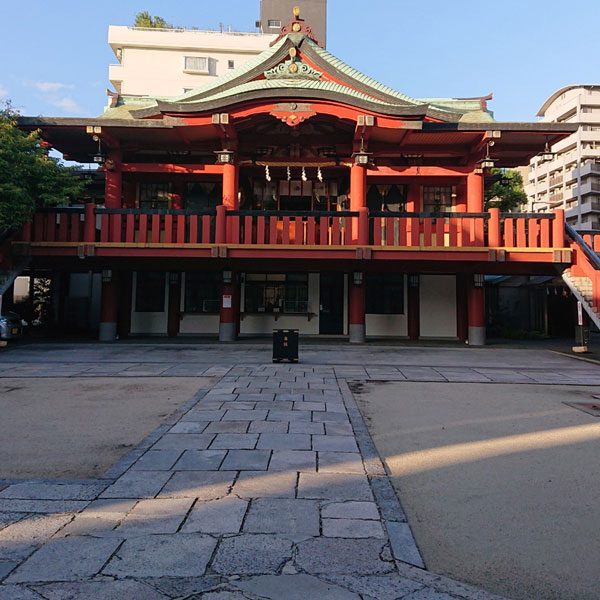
[{"x": 55, "y": 56}]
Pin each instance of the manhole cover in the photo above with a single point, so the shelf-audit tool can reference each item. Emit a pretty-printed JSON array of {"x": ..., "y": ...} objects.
[{"x": 591, "y": 408}]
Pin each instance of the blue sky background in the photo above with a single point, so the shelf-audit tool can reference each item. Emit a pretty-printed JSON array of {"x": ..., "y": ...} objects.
[{"x": 54, "y": 56}]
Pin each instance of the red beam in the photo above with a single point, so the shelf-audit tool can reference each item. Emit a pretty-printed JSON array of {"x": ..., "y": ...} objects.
[
  {"x": 171, "y": 168},
  {"x": 414, "y": 171}
]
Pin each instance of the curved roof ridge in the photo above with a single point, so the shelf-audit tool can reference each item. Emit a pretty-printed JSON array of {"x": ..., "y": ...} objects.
[
  {"x": 293, "y": 83},
  {"x": 234, "y": 74},
  {"x": 358, "y": 75}
]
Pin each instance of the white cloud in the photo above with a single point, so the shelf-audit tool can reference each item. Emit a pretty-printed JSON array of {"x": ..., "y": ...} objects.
[
  {"x": 3, "y": 91},
  {"x": 48, "y": 86},
  {"x": 66, "y": 103}
]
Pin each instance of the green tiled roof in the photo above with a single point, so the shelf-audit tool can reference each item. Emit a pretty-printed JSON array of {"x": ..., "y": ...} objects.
[{"x": 355, "y": 86}]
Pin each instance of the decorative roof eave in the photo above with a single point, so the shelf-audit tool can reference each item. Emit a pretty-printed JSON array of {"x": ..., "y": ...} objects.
[
  {"x": 322, "y": 60},
  {"x": 537, "y": 127},
  {"x": 417, "y": 111},
  {"x": 167, "y": 123}
]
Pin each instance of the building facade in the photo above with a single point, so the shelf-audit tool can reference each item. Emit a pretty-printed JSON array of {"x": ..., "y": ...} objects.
[
  {"x": 569, "y": 176},
  {"x": 291, "y": 192},
  {"x": 173, "y": 62}
]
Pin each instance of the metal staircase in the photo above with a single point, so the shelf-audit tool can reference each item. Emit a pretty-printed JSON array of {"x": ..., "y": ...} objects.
[
  {"x": 7, "y": 277},
  {"x": 587, "y": 267}
]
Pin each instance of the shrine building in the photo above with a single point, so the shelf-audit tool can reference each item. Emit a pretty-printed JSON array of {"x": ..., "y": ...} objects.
[{"x": 293, "y": 192}]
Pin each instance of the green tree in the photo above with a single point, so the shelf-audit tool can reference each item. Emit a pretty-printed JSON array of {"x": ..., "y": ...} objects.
[
  {"x": 144, "y": 19},
  {"x": 29, "y": 178},
  {"x": 506, "y": 193}
]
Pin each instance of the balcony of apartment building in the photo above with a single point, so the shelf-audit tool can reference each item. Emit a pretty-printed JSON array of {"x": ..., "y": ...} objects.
[
  {"x": 556, "y": 179},
  {"x": 589, "y": 117}
]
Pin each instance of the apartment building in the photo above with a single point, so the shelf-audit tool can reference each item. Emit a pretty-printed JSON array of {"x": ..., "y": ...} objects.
[
  {"x": 172, "y": 62},
  {"x": 568, "y": 177}
]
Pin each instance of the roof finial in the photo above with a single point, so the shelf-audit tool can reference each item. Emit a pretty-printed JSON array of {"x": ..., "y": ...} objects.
[{"x": 297, "y": 12}]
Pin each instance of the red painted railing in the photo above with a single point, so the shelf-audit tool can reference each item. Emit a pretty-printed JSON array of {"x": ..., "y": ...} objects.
[{"x": 270, "y": 228}]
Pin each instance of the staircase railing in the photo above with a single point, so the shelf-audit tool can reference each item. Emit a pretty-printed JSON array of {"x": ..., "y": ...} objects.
[{"x": 585, "y": 263}]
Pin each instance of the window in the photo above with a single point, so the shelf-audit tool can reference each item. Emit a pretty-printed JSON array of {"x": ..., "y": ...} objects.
[
  {"x": 196, "y": 63},
  {"x": 385, "y": 294},
  {"x": 202, "y": 292},
  {"x": 149, "y": 291},
  {"x": 274, "y": 24},
  {"x": 231, "y": 64},
  {"x": 186, "y": 90},
  {"x": 437, "y": 199},
  {"x": 276, "y": 293},
  {"x": 155, "y": 195}
]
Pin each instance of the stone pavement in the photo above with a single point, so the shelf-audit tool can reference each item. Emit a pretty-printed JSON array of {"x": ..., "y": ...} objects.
[{"x": 268, "y": 486}]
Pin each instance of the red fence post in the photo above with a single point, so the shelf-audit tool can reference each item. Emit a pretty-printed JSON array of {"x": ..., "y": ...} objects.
[
  {"x": 89, "y": 224},
  {"x": 363, "y": 226},
  {"x": 558, "y": 229},
  {"x": 494, "y": 228},
  {"x": 221, "y": 224}
]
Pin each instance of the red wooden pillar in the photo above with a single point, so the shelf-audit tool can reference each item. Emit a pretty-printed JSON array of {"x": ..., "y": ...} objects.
[
  {"x": 461, "y": 196},
  {"x": 414, "y": 317},
  {"x": 474, "y": 192},
  {"x": 358, "y": 194},
  {"x": 474, "y": 205},
  {"x": 356, "y": 309},
  {"x": 230, "y": 186},
  {"x": 462, "y": 311},
  {"x": 230, "y": 196},
  {"x": 113, "y": 191},
  {"x": 109, "y": 308},
  {"x": 228, "y": 316},
  {"x": 476, "y": 311}
]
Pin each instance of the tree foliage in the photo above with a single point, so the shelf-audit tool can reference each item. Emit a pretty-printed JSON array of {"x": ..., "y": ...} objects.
[
  {"x": 144, "y": 19},
  {"x": 29, "y": 178},
  {"x": 506, "y": 193}
]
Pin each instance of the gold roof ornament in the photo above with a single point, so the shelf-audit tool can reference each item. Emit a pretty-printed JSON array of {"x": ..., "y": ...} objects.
[{"x": 297, "y": 12}]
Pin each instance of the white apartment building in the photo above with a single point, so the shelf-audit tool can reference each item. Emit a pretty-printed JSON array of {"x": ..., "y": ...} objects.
[
  {"x": 571, "y": 180},
  {"x": 171, "y": 62}
]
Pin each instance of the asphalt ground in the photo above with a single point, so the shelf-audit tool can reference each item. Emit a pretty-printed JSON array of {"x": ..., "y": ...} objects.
[
  {"x": 499, "y": 482},
  {"x": 75, "y": 428}
]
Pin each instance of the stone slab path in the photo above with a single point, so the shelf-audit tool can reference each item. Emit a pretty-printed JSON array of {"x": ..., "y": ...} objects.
[{"x": 266, "y": 486}]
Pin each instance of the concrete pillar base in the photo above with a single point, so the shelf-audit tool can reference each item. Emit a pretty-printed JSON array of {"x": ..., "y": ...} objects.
[
  {"x": 476, "y": 336},
  {"x": 227, "y": 332},
  {"x": 357, "y": 334},
  {"x": 107, "y": 332}
]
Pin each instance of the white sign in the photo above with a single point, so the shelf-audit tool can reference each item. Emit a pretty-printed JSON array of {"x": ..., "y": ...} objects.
[
  {"x": 579, "y": 314},
  {"x": 227, "y": 301}
]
